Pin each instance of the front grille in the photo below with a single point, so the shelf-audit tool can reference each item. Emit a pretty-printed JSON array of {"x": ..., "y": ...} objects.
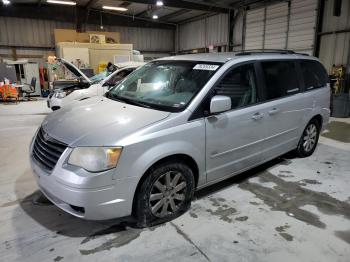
[{"x": 46, "y": 150}]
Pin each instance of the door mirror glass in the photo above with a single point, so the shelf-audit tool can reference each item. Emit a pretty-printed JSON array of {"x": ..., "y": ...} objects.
[{"x": 220, "y": 104}]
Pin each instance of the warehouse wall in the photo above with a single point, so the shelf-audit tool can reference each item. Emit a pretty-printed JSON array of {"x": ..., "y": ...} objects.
[
  {"x": 334, "y": 47},
  {"x": 201, "y": 33},
  {"x": 39, "y": 34},
  {"x": 238, "y": 31},
  {"x": 286, "y": 25}
]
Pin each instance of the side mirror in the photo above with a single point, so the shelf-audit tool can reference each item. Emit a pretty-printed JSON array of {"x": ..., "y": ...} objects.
[{"x": 219, "y": 104}]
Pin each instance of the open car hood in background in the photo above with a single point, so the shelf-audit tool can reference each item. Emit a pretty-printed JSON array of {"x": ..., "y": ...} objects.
[{"x": 72, "y": 68}]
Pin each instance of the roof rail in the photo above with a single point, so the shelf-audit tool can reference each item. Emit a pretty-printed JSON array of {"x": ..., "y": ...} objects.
[{"x": 265, "y": 51}]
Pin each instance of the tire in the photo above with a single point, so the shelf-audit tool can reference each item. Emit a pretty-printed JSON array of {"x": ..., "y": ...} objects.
[
  {"x": 165, "y": 194},
  {"x": 308, "y": 140}
]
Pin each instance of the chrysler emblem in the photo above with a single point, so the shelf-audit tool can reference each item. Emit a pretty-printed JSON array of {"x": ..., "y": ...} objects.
[{"x": 46, "y": 136}]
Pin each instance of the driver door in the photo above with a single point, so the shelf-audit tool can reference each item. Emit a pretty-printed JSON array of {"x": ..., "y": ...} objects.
[{"x": 234, "y": 138}]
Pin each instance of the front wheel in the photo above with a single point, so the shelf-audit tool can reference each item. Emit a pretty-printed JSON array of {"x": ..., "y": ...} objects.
[
  {"x": 308, "y": 141},
  {"x": 165, "y": 194}
]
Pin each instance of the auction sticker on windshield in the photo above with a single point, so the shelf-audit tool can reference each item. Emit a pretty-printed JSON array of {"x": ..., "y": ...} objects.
[{"x": 206, "y": 67}]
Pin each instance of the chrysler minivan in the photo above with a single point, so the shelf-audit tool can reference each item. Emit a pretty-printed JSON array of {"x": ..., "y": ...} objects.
[{"x": 176, "y": 125}]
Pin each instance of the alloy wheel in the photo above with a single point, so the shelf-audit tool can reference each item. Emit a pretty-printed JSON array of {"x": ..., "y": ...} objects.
[
  {"x": 309, "y": 138},
  {"x": 167, "y": 194}
]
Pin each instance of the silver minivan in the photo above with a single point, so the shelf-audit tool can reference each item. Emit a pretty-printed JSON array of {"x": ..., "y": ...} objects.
[{"x": 174, "y": 126}]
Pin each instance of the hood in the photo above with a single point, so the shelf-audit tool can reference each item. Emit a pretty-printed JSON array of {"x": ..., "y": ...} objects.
[
  {"x": 75, "y": 70},
  {"x": 98, "y": 122}
]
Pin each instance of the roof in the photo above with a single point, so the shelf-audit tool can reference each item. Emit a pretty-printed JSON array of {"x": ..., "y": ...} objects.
[
  {"x": 224, "y": 57},
  {"x": 171, "y": 12}
]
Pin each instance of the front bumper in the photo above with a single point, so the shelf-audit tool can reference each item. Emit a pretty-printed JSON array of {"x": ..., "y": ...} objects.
[
  {"x": 54, "y": 102},
  {"x": 89, "y": 196}
]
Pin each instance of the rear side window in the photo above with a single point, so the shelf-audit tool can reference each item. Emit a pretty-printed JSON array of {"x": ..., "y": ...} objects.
[
  {"x": 314, "y": 74},
  {"x": 280, "y": 79}
]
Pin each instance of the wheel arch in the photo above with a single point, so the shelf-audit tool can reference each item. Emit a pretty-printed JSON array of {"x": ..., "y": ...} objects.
[{"x": 318, "y": 118}]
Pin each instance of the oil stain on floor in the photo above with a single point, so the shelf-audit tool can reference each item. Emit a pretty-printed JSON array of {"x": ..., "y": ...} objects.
[
  {"x": 223, "y": 210},
  {"x": 290, "y": 197},
  {"x": 344, "y": 235},
  {"x": 339, "y": 131},
  {"x": 281, "y": 230},
  {"x": 122, "y": 236}
]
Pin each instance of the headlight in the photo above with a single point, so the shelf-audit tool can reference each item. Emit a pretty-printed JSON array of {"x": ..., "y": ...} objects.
[
  {"x": 95, "y": 159},
  {"x": 60, "y": 94}
]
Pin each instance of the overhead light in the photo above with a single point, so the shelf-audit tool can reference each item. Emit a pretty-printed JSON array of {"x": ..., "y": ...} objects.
[
  {"x": 101, "y": 25},
  {"x": 6, "y": 2},
  {"x": 115, "y": 8},
  {"x": 159, "y": 3},
  {"x": 61, "y": 2},
  {"x": 155, "y": 17}
]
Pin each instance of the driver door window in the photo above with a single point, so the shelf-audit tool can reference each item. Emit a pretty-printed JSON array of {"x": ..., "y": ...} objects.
[{"x": 240, "y": 85}]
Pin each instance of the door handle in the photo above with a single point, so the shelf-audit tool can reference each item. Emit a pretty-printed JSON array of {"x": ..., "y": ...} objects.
[
  {"x": 257, "y": 116},
  {"x": 273, "y": 111}
]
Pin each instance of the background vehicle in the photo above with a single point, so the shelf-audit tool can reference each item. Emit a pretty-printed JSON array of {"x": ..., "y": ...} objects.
[
  {"x": 176, "y": 125},
  {"x": 99, "y": 85}
]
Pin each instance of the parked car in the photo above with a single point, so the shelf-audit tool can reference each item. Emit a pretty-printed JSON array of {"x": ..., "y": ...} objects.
[
  {"x": 176, "y": 125},
  {"x": 93, "y": 86}
]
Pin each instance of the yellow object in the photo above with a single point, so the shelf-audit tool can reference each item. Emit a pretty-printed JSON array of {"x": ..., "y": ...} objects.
[
  {"x": 338, "y": 72},
  {"x": 113, "y": 155},
  {"x": 102, "y": 66}
]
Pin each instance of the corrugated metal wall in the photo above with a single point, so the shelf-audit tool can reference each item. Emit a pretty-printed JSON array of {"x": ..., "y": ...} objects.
[
  {"x": 40, "y": 33},
  {"x": 255, "y": 25},
  {"x": 302, "y": 25},
  {"x": 144, "y": 39},
  {"x": 212, "y": 30},
  {"x": 29, "y": 32},
  {"x": 276, "y": 26},
  {"x": 334, "y": 47},
  {"x": 238, "y": 31},
  {"x": 281, "y": 26}
]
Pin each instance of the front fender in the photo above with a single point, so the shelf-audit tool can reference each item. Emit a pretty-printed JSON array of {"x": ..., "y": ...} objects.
[{"x": 187, "y": 139}]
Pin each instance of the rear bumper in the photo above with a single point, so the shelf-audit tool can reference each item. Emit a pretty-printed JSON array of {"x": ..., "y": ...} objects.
[{"x": 74, "y": 193}]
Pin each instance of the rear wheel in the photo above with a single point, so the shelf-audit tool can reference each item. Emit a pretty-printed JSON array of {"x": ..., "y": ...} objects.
[
  {"x": 309, "y": 139},
  {"x": 165, "y": 194}
]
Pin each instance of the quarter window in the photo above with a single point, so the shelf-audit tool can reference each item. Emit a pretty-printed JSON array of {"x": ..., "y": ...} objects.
[
  {"x": 314, "y": 74},
  {"x": 240, "y": 85},
  {"x": 280, "y": 79}
]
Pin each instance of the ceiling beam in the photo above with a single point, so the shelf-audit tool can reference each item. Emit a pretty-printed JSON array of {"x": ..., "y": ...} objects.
[
  {"x": 69, "y": 14},
  {"x": 90, "y": 3},
  {"x": 174, "y": 14},
  {"x": 214, "y": 3},
  {"x": 184, "y": 5},
  {"x": 144, "y": 12}
]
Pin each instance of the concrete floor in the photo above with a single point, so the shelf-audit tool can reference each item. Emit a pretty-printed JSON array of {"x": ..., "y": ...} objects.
[{"x": 287, "y": 210}]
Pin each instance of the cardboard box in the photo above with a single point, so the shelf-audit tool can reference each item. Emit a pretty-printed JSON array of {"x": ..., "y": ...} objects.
[
  {"x": 68, "y": 35},
  {"x": 97, "y": 39}
]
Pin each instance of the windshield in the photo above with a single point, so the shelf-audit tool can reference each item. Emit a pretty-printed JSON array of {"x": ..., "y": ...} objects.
[
  {"x": 164, "y": 85},
  {"x": 98, "y": 77}
]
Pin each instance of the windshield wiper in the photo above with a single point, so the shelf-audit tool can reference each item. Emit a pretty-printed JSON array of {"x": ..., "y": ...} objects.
[
  {"x": 125, "y": 100},
  {"x": 113, "y": 97},
  {"x": 133, "y": 102}
]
